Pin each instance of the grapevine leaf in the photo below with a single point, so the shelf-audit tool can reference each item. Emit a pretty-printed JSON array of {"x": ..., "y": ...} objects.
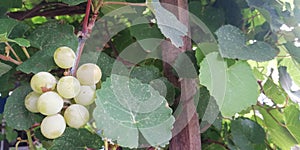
[
  {"x": 134, "y": 109},
  {"x": 89, "y": 57},
  {"x": 211, "y": 16},
  {"x": 4, "y": 68},
  {"x": 143, "y": 31},
  {"x": 73, "y": 2},
  {"x": 106, "y": 9},
  {"x": 291, "y": 117},
  {"x": 9, "y": 82},
  {"x": 21, "y": 42},
  {"x": 145, "y": 73},
  {"x": 77, "y": 139},
  {"x": 10, "y": 134},
  {"x": 227, "y": 85},
  {"x": 165, "y": 88},
  {"x": 247, "y": 135},
  {"x": 106, "y": 63},
  {"x": 271, "y": 10},
  {"x": 19, "y": 30},
  {"x": 282, "y": 131},
  {"x": 15, "y": 113},
  {"x": 48, "y": 38},
  {"x": 167, "y": 22},
  {"x": 11, "y": 3},
  {"x": 6, "y": 26},
  {"x": 232, "y": 44},
  {"x": 286, "y": 83},
  {"x": 206, "y": 107},
  {"x": 274, "y": 92},
  {"x": 294, "y": 51}
]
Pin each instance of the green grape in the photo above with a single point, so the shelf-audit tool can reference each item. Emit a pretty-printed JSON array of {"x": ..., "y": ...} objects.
[
  {"x": 43, "y": 82},
  {"x": 68, "y": 87},
  {"x": 86, "y": 95},
  {"x": 64, "y": 57},
  {"x": 50, "y": 103},
  {"x": 76, "y": 115},
  {"x": 89, "y": 74},
  {"x": 31, "y": 101},
  {"x": 53, "y": 126}
]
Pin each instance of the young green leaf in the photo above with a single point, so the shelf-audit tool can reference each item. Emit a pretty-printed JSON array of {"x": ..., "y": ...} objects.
[
  {"x": 234, "y": 88},
  {"x": 232, "y": 44}
]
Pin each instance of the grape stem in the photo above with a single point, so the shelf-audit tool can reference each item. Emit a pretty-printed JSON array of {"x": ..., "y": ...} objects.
[
  {"x": 29, "y": 138},
  {"x": 8, "y": 58},
  {"x": 25, "y": 51},
  {"x": 13, "y": 51},
  {"x": 86, "y": 31}
]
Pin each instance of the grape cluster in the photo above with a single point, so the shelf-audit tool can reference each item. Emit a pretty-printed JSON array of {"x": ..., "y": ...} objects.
[{"x": 49, "y": 94}]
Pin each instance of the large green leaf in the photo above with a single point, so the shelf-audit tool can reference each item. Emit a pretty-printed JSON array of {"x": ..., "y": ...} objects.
[
  {"x": 211, "y": 16},
  {"x": 247, "y": 135},
  {"x": 283, "y": 131},
  {"x": 6, "y": 26},
  {"x": 168, "y": 23},
  {"x": 234, "y": 88},
  {"x": 4, "y": 68},
  {"x": 132, "y": 114},
  {"x": 77, "y": 139},
  {"x": 233, "y": 44},
  {"x": 15, "y": 113},
  {"x": 48, "y": 38}
]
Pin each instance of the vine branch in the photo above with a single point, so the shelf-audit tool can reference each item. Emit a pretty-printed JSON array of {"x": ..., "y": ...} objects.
[
  {"x": 86, "y": 31},
  {"x": 48, "y": 10}
]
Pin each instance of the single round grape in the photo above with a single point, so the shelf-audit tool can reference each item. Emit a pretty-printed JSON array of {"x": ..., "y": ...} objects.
[
  {"x": 86, "y": 95},
  {"x": 89, "y": 74},
  {"x": 68, "y": 87},
  {"x": 31, "y": 101},
  {"x": 76, "y": 115},
  {"x": 53, "y": 126},
  {"x": 50, "y": 103},
  {"x": 43, "y": 82},
  {"x": 64, "y": 57}
]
